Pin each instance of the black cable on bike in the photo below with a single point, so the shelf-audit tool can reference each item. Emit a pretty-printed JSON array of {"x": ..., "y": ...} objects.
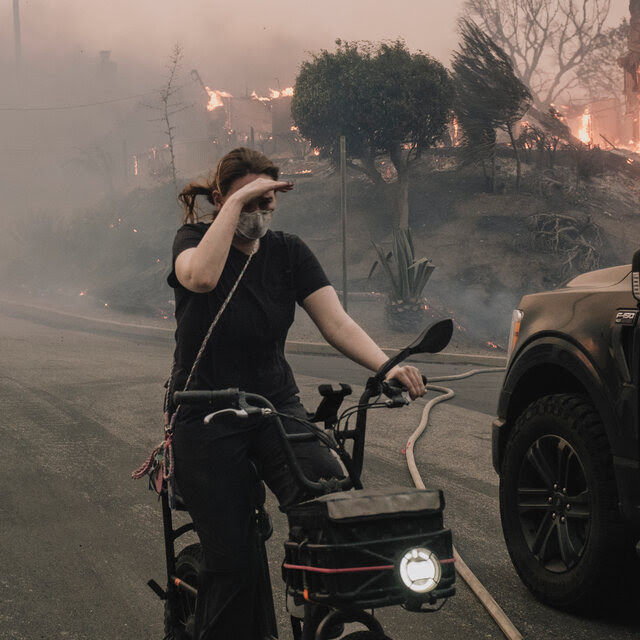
[
  {"x": 331, "y": 443},
  {"x": 316, "y": 431},
  {"x": 349, "y": 411}
]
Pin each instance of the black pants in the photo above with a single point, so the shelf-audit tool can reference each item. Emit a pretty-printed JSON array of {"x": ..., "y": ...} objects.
[{"x": 213, "y": 472}]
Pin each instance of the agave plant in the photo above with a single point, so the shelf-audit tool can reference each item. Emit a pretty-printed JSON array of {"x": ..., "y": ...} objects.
[{"x": 407, "y": 278}]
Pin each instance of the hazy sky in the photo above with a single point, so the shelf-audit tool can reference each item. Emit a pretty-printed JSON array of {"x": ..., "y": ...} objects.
[{"x": 234, "y": 45}]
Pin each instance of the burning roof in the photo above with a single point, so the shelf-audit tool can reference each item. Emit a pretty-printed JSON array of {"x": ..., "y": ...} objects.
[{"x": 252, "y": 115}]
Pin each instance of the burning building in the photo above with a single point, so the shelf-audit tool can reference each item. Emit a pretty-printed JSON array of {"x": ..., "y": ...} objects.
[
  {"x": 597, "y": 123},
  {"x": 261, "y": 122},
  {"x": 630, "y": 62}
]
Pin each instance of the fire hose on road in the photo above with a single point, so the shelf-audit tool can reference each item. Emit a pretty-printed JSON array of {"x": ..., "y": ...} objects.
[{"x": 486, "y": 599}]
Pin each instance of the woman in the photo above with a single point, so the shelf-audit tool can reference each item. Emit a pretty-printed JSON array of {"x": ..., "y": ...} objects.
[{"x": 246, "y": 350}]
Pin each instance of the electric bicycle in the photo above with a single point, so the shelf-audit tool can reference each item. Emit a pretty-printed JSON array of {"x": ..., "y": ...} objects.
[{"x": 350, "y": 550}]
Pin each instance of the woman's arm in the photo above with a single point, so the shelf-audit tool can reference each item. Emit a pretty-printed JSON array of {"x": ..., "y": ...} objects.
[
  {"x": 199, "y": 268},
  {"x": 343, "y": 333}
]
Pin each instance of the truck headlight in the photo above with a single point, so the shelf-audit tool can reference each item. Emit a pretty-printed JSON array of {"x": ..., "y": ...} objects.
[
  {"x": 420, "y": 570},
  {"x": 514, "y": 334}
]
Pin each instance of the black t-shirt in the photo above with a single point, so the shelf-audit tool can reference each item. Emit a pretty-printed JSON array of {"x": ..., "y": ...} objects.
[{"x": 246, "y": 348}]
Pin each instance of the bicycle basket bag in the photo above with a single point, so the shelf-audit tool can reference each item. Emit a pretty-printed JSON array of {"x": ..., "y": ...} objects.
[{"x": 365, "y": 546}]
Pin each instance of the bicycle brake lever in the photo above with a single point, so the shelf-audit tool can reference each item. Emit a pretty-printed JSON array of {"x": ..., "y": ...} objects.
[
  {"x": 399, "y": 400},
  {"x": 238, "y": 413}
]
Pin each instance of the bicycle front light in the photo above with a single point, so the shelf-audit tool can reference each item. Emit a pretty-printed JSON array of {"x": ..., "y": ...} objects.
[{"x": 420, "y": 570}]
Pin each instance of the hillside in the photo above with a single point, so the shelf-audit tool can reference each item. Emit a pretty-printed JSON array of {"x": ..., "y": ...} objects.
[{"x": 488, "y": 249}]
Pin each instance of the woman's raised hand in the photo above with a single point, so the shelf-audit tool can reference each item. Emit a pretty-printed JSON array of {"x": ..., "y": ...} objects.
[{"x": 260, "y": 188}]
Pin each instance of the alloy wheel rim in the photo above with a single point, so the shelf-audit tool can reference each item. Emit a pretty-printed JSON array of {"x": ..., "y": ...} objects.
[{"x": 554, "y": 503}]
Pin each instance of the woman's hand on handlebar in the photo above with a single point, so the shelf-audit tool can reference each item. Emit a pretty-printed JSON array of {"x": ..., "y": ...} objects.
[{"x": 411, "y": 378}]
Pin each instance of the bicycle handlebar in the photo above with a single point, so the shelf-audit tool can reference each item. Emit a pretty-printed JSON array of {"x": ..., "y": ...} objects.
[
  {"x": 236, "y": 402},
  {"x": 241, "y": 404},
  {"x": 206, "y": 397},
  {"x": 391, "y": 388}
]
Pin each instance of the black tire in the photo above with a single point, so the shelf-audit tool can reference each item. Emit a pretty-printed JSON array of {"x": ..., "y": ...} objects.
[
  {"x": 558, "y": 504},
  {"x": 365, "y": 635},
  {"x": 178, "y": 624}
]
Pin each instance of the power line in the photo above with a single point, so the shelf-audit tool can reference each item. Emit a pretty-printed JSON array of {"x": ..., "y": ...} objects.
[{"x": 78, "y": 106}]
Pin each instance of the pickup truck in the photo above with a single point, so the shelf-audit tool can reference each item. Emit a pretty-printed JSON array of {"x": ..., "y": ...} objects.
[{"x": 565, "y": 442}]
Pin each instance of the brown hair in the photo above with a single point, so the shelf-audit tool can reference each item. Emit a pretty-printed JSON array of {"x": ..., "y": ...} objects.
[{"x": 234, "y": 165}]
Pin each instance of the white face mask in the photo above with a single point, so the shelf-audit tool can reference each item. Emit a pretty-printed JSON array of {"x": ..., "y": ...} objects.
[{"x": 253, "y": 225}]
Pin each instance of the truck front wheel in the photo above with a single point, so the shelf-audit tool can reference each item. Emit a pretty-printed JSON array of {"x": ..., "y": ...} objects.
[{"x": 558, "y": 504}]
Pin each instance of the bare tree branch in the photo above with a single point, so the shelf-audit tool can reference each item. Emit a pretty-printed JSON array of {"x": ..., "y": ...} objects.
[
  {"x": 169, "y": 106},
  {"x": 547, "y": 39}
]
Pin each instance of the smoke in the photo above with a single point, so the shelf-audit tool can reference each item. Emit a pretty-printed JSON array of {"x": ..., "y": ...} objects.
[{"x": 72, "y": 120}]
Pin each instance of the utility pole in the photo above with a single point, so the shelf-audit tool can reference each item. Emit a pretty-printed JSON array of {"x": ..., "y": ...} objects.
[
  {"x": 343, "y": 207},
  {"x": 16, "y": 33}
]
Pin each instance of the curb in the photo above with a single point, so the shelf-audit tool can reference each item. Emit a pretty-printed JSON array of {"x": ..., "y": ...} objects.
[
  {"x": 292, "y": 346},
  {"x": 319, "y": 348}
]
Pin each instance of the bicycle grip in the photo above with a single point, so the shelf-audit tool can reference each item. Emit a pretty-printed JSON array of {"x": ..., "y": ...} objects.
[
  {"x": 218, "y": 396},
  {"x": 392, "y": 387}
]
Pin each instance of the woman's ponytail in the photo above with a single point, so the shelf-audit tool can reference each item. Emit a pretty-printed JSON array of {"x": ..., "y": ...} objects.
[{"x": 188, "y": 200}]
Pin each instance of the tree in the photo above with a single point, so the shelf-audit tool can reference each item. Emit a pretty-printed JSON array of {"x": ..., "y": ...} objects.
[
  {"x": 489, "y": 96},
  {"x": 547, "y": 40},
  {"x": 383, "y": 99},
  {"x": 169, "y": 106}
]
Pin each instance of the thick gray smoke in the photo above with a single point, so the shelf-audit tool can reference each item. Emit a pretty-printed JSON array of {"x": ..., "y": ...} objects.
[
  {"x": 78, "y": 94},
  {"x": 79, "y": 98}
]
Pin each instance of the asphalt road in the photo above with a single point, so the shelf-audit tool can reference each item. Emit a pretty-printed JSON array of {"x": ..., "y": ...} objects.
[{"x": 81, "y": 409}]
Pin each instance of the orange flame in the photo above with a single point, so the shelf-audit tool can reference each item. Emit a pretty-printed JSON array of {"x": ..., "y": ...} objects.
[
  {"x": 455, "y": 125},
  {"x": 273, "y": 93},
  {"x": 585, "y": 133},
  {"x": 215, "y": 98},
  {"x": 255, "y": 96}
]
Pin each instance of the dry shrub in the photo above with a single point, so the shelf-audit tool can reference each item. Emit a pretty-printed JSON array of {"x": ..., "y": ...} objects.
[{"x": 576, "y": 241}]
